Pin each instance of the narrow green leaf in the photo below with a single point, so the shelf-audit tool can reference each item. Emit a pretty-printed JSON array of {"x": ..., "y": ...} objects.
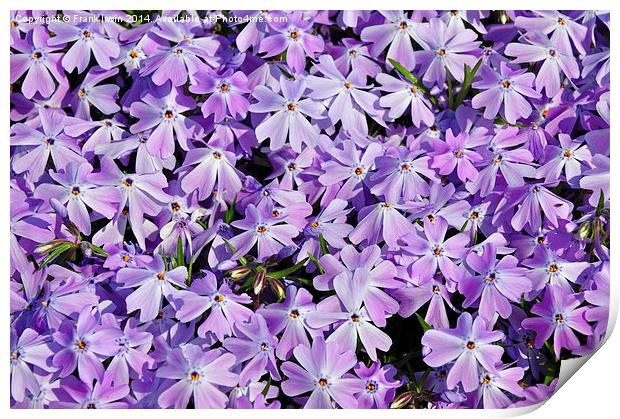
[
  {"x": 98, "y": 250},
  {"x": 601, "y": 204},
  {"x": 53, "y": 255},
  {"x": 316, "y": 263},
  {"x": 286, "y": 272},
  {"x": 266, "y": 389},
  {"x": 425, "y": 326},
  {"x": 180, "y": 254},
  {"x": 230, "y": 212},
  {"x": 467, "y": 81},
  {"x": 324, "y": 249},
  {"x": 450, "y": 91}
]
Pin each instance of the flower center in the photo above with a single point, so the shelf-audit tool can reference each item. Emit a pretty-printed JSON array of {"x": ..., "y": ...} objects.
[
  {"x": 437, "y": 251},
  {"x": 347, "y": 85},
  {"x": 536, "y": 189},
  {"x": 414, "y": 90},
  {"x": 126, "y": 258},
  {"x": 15, "y": 356},
  {"x": 441, "y": 52},
  {"x": 179, "y": 51},
  {"x": 291, "y": 106},
  {"x": 431, "y": 218},
  {"x": 81, "y": 93},
  {"x": 275, "y": 214},
  {"x": 471, "y": 345},
  {"x": 529, "y": 342},
  {"x": 559, "y": 318},
  {"x": 217, "y": 155},
  {"x": 562, "y": 21},
  {"x": 568, "y": 153},
  {"x": 506, "y": 84},
  {"x": 168, "y": 114},
  {"x": 294, "y": 314},
  {"x": 75, "y": 191},
  {"x": 323, "y": 382},
  {"x": 553, "y": 268},
  {"x": 355, "y": 318},
  {"x": 261, "y": 229},
  {"x": 87, "y": 34},
  {"x": 491, "y": 278},
  {"x": 458, "y": 153},
  {"x": 128, "y": 182},
  {"x": 91, "y": 406},
  {"x": 49, "y": 141},
  {"x": 37, "y": 55},
  {"x": 314, "y": 224},
  {"x": 194, "y": 376},
  {"x": 359, "y": 171},
  {"x": 224, "y": 87},
  {"x": 264, "y": 347},
  {"x": 353, "y": 53},
  {"x": 497, "y": 159},
  {"x": 540, "y": 240},
  {"x": 81, "y": 344},
  {"x": 403, "y": 25},
  {"x": 474, "y": 215},
  {"x": 486, "y": 379},
  {"x": 218, "y": 298},
  {"x": 371, "y": 386},
  {"x": 292, "y": 167},
  {"x": 435, "y": 289},
  {"x": 552, "y": 53},
  {"x": 404, "y": 167},
  {"x": 294, "y": 35},
  {"x": 133, "y": 53},
  {"x": 175, "y": 207}
]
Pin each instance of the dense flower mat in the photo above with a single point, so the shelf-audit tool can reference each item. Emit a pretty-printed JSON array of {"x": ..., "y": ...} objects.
[{"x": 318, "y": 209}]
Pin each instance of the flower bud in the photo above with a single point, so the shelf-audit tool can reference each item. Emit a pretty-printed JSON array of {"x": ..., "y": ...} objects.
[
  {"x": 277, "y": 288},
  {"x": 402, "y": 400},
  {"x": 259, "y": 281},
  {"x": 240, "y": 272}
]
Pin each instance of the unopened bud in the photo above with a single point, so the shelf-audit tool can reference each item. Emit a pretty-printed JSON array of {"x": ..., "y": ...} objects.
[
  {"x": 259, "y": 281},
  {"x": 49, "y": 246},
  {"x": 402, "y": 400},
  {"x": 240, "y": 272},
  {"x": 277, "y": 288}
]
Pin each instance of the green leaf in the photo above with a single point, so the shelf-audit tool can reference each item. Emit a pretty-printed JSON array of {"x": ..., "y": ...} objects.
[
  {"x": 266, "y": 389},
  {"x": 324, "y": 249},
  {"x": 467, "y": 81},
  {"x": 230, "y": 212},
  {"x": 601, "y": 204},
  {"x": 450, "y": 91},
  {"x": 425, "y": 326},
  {"x": 180, "y": 254},
  {"x": 57, "y": 252},
  {"x": 316, "y": 263},
  {"x": 98, "y": 250},
  {"x": 413, "y": 79},
  {"x": 464, "y": 225},
  {"x": 286, "y": 272}
]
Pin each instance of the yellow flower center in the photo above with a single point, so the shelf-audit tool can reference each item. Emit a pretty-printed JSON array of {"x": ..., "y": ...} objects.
[
  {"x": 568, "y": 153},
  {"x": 347, "y": 85},
  {"x": 294, "y": 314},
  {"x": 441, "y": 52},
  {"x": 403, "y": 25},
  {"x": 81, "y": 93},
  {"x": 175, "y": 206},
  {"x": 224, "y": 87},
  {"x": 506, "y": 84},
  {"x": 194, "y": 376},
  {"x": 168, "y": 114},
  {"x": 437, "y": 251},
  {"x": 133, "y": 53},
  {"x": 315, "y": 224},
  {"x": 294, "y": 35},
  {"x": 217, "y": 155},
  {"x": 323, "y": 382},
  {"x": 471, "y": 345},
  {"x": 474, "y": 215},
  {"x": 291, "y": 106},
  {"x": 553, "y": 268},
  {"x": 261, "y": 229},
  {"x": 218, "y": 298},
  {"x": 161, "y": 276},
  {"x": 359, "y": 171},
  {"x": 81, "y": 345},
  {"x": 559, "y": 318},
  {"x": 37, "y": 55}
]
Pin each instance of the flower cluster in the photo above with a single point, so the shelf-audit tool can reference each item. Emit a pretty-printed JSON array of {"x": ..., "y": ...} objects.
[{"x": 320, "y": 209}]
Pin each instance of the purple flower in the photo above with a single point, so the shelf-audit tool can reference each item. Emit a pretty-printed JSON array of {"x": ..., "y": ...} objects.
[
  {"x": 403, "y": 94},
  {"x": 163, "y": 111},
  {"x": 294, "y": 36},
  {"x": 153, "y": 282},
  {"x": 494, "y": 385},
  {"x": 256, "y": 345},
  {"x": 397, "y": 33},
  {"x": 226, "y": 94},
  {"x": 40, "y": 63},
  {"x": 457, "y": 153},
  {"x": 379, "y": 385},
  {"x": 289, "y": 120},
  {"x": 196, "y": 373},
  {"x": 226, "y": 309},
  {"x": 214, "y": 170},
  {"x": 506, "y": 89},
  {"x": 29, "y": 349},
  {"x": 263, "y": 229},
  {"x": 560, "y": 316},
  {"x": 290, "y": 317},
  {"x": 557, "y": 60},
  {"x": 87, "y": 40},
  {"x": 445, "y": 47},
  {"x": 321, "y": 373},
  {"x": 469, "y": 345},
  {"x": 499, "y": 283}
]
